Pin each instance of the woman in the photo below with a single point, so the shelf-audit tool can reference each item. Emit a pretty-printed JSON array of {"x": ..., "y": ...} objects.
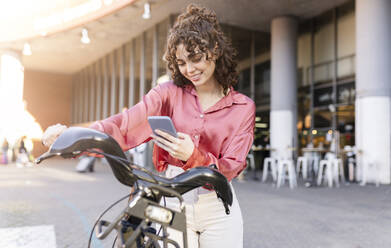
[{"x": 214, "y": 122}]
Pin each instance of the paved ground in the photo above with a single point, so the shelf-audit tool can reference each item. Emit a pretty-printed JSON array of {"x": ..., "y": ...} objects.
[{"x": 61, "y": 206}]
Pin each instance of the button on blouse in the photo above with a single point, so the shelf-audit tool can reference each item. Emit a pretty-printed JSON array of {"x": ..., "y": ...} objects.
[{"x": 222, "y": 134}]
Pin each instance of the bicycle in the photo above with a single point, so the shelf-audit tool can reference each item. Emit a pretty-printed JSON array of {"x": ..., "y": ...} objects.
[{"x": 135, "y": 224}]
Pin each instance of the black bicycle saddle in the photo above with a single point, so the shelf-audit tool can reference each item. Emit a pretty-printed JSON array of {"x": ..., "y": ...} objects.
[{"x": 77, "y": 140}]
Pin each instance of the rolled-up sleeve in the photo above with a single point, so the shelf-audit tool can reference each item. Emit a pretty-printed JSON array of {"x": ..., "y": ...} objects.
[{"x": 233, "y": 160}]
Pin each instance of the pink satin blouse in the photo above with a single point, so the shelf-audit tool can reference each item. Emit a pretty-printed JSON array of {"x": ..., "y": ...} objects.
[{"x": 222, "y": 134}]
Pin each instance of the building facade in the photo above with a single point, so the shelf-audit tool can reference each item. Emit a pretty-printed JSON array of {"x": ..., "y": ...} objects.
[{"x": 315, "y": 78}]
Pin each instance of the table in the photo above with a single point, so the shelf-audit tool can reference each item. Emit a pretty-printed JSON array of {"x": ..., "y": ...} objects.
[
  {"x": 314, "y": 149},
  {"x": 261, "y": 148}
]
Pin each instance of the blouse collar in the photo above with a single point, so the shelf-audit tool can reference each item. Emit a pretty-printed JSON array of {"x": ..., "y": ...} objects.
[{"x": 233, "y": 97}]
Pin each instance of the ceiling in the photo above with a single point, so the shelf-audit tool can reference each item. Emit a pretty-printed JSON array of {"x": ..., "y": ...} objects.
[{"x": 63, "y": 52}]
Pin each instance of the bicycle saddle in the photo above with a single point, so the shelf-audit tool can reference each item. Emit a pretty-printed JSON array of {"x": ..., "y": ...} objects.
[{"x": 77, "y": 140}]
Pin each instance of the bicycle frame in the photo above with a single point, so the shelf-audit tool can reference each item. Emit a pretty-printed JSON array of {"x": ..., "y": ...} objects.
[{"x": 136, "y": 208}]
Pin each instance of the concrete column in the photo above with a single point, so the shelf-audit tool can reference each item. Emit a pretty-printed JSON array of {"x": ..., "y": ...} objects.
[
  {"x": 106, "y": 89},
  {"x": 73, "y": 120},
  {"x": 85, "y": 95},
  {"x": 283, "y": 86},
  {"x": 373, "y": 88},
  {"x": 142, "y": 66},
  {"x": 252, "y": 67},
  {"x": 80, "y": 97},
  {"x": 131, "y": 74},
  {"x": 92, "y": 89},
  {"x": 98, "y": 75},
  {"x": 76, "y": 99},
  {"x": 113, "y": 84},
  {"x": 121, "y": 65},
  {"x": 155, "y": 55}
]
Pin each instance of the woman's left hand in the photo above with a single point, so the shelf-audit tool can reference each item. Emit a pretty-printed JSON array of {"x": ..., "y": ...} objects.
[{"x": 181, "y": 147}]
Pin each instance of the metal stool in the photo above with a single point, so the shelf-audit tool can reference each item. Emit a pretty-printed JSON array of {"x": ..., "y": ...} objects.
[
  {"x": 326, "y": 164},
  {"x": 286, "y": 166},
  {"x": 338, "y": 171},
  {"x": 302, "y": 162},
  {"x": 272, "y": 162}
]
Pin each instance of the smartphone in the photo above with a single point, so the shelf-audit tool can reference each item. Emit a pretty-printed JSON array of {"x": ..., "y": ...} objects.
[{"x": 163, "y": 123}]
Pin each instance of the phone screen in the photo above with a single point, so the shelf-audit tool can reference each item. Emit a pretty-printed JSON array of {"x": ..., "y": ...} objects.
[{"x": 163, "y": 123}]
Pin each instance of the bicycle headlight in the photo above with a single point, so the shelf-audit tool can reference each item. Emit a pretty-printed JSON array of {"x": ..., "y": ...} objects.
[{"x": 158, "y": 214}]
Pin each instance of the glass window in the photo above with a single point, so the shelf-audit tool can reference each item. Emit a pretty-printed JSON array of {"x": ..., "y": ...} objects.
[
  {"x": 262, "y": 126},
  {"x": 323, "y": 96},
  {"x": 324, "y": 47},
  {"x": 346, "y": 126},
  {"x": 346, "y": 93},
  {"x": 322, "y": 118},
  {"x": 303, "y": 108},
  {"x": 241, "y": 40},
  {"x": 262, "y": 43},
  {"x": 243, "y": 85},
  {"x": 324, "y": 37},
  {"x": 262, "y": 83}
]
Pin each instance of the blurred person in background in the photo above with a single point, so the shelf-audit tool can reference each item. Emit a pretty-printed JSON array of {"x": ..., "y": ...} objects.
[
  {"x": 23, "y": 158},
  {"x": 4, "y": 148}
]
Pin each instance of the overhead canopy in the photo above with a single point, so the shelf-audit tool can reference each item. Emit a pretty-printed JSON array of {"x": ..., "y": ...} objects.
[{"x": 61, "y": 51}]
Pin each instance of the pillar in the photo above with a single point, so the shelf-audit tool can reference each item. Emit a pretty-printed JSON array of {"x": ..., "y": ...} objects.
[
  {"x": 373, "y": 87},
  {"x": 283, "y": 85}
]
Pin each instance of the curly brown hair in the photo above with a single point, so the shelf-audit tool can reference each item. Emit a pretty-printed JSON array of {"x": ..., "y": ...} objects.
[{"x": 198, "y": 28}]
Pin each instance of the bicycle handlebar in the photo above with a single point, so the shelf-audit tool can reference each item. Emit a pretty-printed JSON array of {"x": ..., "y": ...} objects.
[{"x": 76, "y": 140}]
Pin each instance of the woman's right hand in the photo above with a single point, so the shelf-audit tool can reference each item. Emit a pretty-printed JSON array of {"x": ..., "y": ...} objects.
[{"x": 51, "y": 133}]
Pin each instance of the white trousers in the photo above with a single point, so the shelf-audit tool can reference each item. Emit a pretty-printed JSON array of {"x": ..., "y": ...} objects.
[{"x": 208, "y": 226}]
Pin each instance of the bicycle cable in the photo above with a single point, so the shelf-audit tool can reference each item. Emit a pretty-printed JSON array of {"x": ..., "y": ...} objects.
[
  {"x": 116, "y": 236},
  {"x": 103, "y": 213},
  {"x": 165, "y": 205},
  {"x": 125, "y": 163}
]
